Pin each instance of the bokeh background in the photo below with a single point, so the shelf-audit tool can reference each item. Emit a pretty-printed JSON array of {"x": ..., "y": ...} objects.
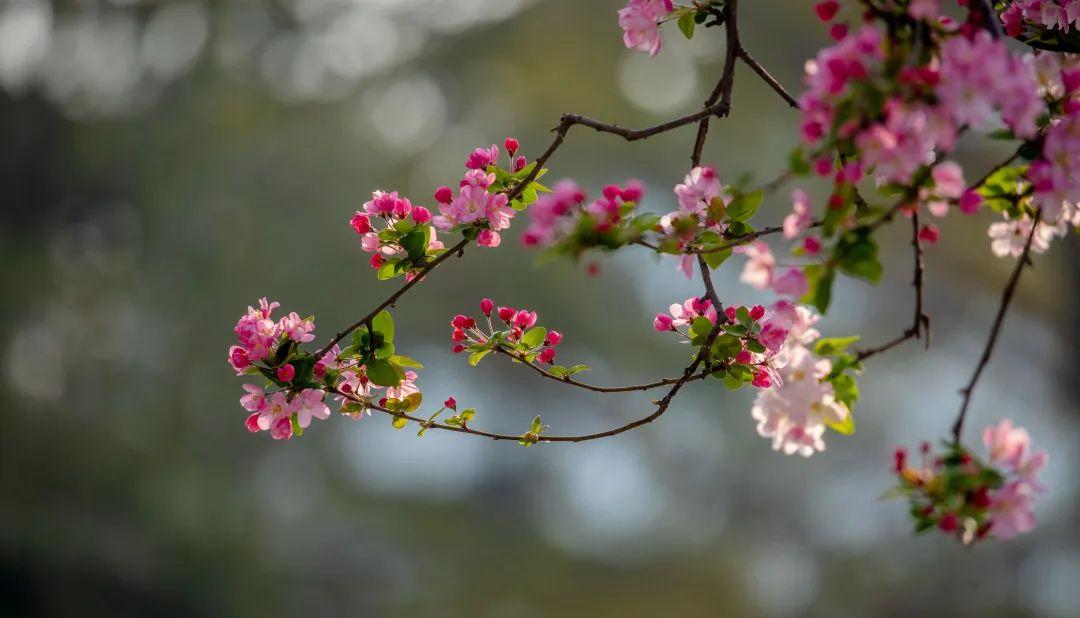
[{"x": 164, "y": 164}]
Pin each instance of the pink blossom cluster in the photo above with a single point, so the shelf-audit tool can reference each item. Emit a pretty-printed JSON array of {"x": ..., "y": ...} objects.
[
  {"x": 258, "y": 334},
  {"x": 385, "y": 212},
  {"x": 476, "y": 202},
  {"x": 505, "y": 326},
  {"x": 924, "y": 107},
  {"x": 969, "y": 499},
  {"x": 697, "y": 196},
  {"x": 1052, "y": 14},
  {"x": 761, "y": 271},
  {"x": 800, "y": 404},
  {"x": 356, "y": 392},
  {"x": 277, "y": 412},
  {"x": 640, "y": 22},
  {"x": 555, "y": 215}
]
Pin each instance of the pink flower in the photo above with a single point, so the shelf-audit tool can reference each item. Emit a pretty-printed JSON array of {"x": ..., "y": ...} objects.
[
  {"x": 486, "y": 306},
  {"x": 800, "y": 218},
  {"x": 444, "y": 194},
  {"x": 547, "y": 355},
  {"x": 482, "y": 157},
  {"x": 691, "y": 308},
  {"x": 662, "y": 322},
  {"x": 450, "y": 403},
  {"x": 255, "y": 400},
  {"x": 929, "y": 234},
  {"x": 421, "y": 215},
  {"x": 948, "y": 179},
  {"x": 308, "y": 404},
  {"x": 360, "y": 223},
  {"x": 1009, "y": 237},
  {"x": 1007, "y": 444},
  {"x": 970, "y": 202},
  {"x": 525, "y": 319},
  {"x": 772, "y": 336},
  {"x": 286, "y": 372},
  {"x": 793, "y": 283},
  {"x": 511, "y": 146},
  {"x": 487, "y": 238},
  {"x": 281, "y": 429},
  {"x": 1011, "y": 510},
  {"x": 553, "y": 338},
  {"x": 640, "y": 21},
  {"x": 238, "y": 358},
  {"x": 758, "y": 271},
  {"x": 699, "y": 188},
  {"x": 299, "y": 330}
]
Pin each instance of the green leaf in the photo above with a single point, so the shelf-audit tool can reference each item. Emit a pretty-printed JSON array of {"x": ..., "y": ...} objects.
[
  {"x": 797, "y": 163},
  {"x": 845, "y": 389},
  {"x": 743, "y": 207},
  {"x": 735, "y": 329},
  {"x": 415, "y": 243},
  {"x": 413, "y": 401},
  {"x": 645, "y": 222},
  {"x": 383, "y": 323},
  {"x": 686, "y": 25},
  {"x": 732, "y": 382},
  {"x": 845, "y": 427},
  {"x": 468, "y": 414},
  {"x": 382, "y": 373},
  {"x": 399, "y": 422},
  {"x": 833, "y": 345},
  {"x": 297, "y": 430},
  {"x": 405, "y": 361},
  {"x": 856, "y": 253},
  {"x": 385, "y": 351},
  {"x": 700, "y": 326},
  {"x": 715, "y": 258},
  {"x": 475, "y": 357},
  {"x": 558, "y": 371},
  {"x": 534, "y": 336},
  {"x": 389, "y": 270},
  {"x": 577, "y": 369},
  {"x": 820, "y": 279},
  {"x": 743, "y": 315},
  {"x": 537, "y": 425}
]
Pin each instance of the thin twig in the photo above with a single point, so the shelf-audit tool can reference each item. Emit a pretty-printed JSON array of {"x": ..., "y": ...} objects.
[
  {"x": 984, "y": 359},
  {"x": 591, "y": 387},
  {"x": 769, "y": 79},
  {"x": 722, "y": 91}
]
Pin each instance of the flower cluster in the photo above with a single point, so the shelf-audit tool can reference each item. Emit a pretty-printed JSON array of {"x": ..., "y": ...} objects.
[
  {"x": 509, "y": 330},
  {"x": 967, "y": 498},
  {"x": 297, "y": 382},
  {"x": 396, "y": 233},
  {"x": 761, "y": 272},
  {"x": 640, "y": 21},
  {"x": 1052, "y": 14},
  {"x": 562, "y": 222},
  {"x": 482, "y": 208}
]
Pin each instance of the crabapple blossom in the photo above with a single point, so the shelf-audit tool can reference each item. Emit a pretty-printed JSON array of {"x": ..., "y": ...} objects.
[
  {"x": 640, "y": 21},
  {"x": 1008, "y": 238},
  {"x": 799, "y": 220},
  {"x": 760, "y": 265},
  {"x": 700, "y": 187}
]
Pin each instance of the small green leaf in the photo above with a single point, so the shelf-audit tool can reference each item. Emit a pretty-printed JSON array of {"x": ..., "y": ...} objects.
[
  {"x": 833, "y": 345},
  {"x": 399, "y": 422},
  {"x": 715, "y": 258},
  {"x": 413, "y": 401},
  {"x": 476, "y": 357},
  {"x": 743, "y": 207},
  {"x": 383, "y": 323},
  {"x": 686, "y": 25},
  {"x": 797, "y": 163},
  {"x": 405, "y": 361},
  {"x": 537, "y": 425},
  {"x": 732, "y": 382},
  {"x": 468, "y": 414},
  {"x": 382, "y": 373},
  {"x": 415, "y": 243},
  {"x": 577, "y": 369},
  {"x": 534, "y": 336},
  {"x": 385, "y": 351},
  {"x": 389, "y": 270},
  {"x": 700, "y": 326},
  {"x": 845, "y": 427},
  {"x": 297, "y": 430}
]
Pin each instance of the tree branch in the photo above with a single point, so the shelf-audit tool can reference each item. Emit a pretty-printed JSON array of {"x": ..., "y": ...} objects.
[
  {"x": 767, "y": 77},
  {"x": 984, "y": 359}
]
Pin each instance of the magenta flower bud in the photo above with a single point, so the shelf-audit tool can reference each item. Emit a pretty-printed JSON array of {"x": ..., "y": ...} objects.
[
  {"x": 458, "y": 348},
  {"x": 633, "y": 191},
  {"x": 361, "y": 223},
  {"x": 743, "y": 357},
  {"x": 762, "y": 380},
  {"x": 730, "y": 313},
  {"x": 757, "y": 312},
  {"x": 553, "y": 338},
  {"x": 286, "y": 372},
  {"x": 547, "y": 355},
  {"x": 612, "y": 191},
  {"x": 486, "y": 306},
  {"x": 402, "y": 208},
  {"x": 421, "y": 214},
  {"x": 519, "y": 163},
  {"x": 823, "y": 166},
  {"x": 376, "y": 260},
  {"x": 506, "y": 314},
  {"x": 511, "y": 145},
  {"x": 252, "y": 423},
  {"x": 811, "y": 245},
  {"x": 238, "y": 358},
  {"x": 970, "y": 202},
  {"x": 462, "y": 321},
  {"x": 319, "y": 370},
  {"x": 450, "y": 403},
  {"x": 457, "y": 336},
  {"x": 530, "y": 239},
  {"x": 525, "y": 319},
  {"x": 444, "y": 195},
  {"x": 929, "y": 233},
  {"x": 662, "y": 322}
]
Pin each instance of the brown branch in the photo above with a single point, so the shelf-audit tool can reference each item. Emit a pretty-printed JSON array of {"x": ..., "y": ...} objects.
[
  {"x": 767, "y": 77},
  {"x": 722, "y": 91},
  {"x": 661, "y": 406},
  {"x": 457, "y": 249},
  {"x": 984, "y": 359},
  {"x": 745, "y": 238},
  {"x": 590, "y": 387},
  {"x": 921, "y": 322}
]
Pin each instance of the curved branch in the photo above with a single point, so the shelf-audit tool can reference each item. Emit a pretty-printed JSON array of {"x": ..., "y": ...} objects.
[
  {"x": 984, "y": 359},
  {"x": 590, "y": 387}
]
